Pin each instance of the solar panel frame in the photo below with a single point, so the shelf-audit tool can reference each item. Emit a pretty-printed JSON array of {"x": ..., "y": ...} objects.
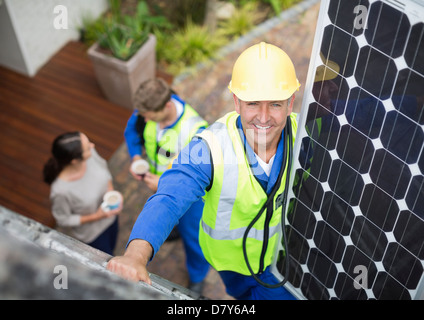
[{"x": 333, "y": 226}]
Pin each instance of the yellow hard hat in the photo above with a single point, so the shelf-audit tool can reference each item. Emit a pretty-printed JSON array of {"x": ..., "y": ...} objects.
[
  {"x": 328, "y": 71},
  {"x": 263, "y": 72}
]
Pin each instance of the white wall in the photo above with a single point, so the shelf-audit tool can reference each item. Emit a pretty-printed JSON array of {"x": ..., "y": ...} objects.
[
  {"x": 29, "y": 36},
  {"x": 10, "y": 52}
]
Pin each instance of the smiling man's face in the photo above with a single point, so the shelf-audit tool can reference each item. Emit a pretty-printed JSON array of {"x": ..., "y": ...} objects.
[{"x": 263, "y": 122}]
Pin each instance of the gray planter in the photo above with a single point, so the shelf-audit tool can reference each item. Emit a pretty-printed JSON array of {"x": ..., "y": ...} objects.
[{"x": 120, "y": 79}]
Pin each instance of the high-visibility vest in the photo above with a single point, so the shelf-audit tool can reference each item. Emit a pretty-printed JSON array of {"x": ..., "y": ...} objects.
[
  {"x": 161, "y": 153},
  {"x": 233, "y": 201}
]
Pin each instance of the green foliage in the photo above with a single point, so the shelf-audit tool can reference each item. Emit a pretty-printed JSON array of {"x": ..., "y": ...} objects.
[
  {"x": 122, "y": 35},
  {"x": 190, "y": 45},
  {"x": 115, "y": 8},
  {"x": 177, "y": 11},
  {"x": 90, "y": 30},
  {"x": 122, "y": 40},
  {"x": 276, "y": 6},
  {"x": 280, "y": 5},
  {"x": 244, "y": 19},
  {"x": 177, "y": 47}
]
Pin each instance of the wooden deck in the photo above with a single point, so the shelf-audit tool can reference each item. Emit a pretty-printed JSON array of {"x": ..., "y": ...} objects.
[{"x": 63, "y": 96}]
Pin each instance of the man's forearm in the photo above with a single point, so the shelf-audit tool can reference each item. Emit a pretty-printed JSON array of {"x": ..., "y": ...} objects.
[{"x": 139, "y": 249}]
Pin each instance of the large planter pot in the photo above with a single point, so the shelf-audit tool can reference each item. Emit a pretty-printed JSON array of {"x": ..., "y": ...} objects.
[{"x": 120, "y": 79}]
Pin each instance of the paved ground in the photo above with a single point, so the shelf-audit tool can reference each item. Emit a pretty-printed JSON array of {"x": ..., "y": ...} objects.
[{"x": 206, "y": 90}]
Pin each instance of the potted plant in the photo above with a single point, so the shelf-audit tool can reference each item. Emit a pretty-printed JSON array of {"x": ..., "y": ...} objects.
[{"x": 124, "y": 53}]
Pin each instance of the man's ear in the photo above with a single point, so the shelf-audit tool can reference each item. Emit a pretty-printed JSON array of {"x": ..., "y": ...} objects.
[
  {"x": 290, "y": 108},
  {"x": 236, "y": 103},
  {"x": 169, "y": 104}
]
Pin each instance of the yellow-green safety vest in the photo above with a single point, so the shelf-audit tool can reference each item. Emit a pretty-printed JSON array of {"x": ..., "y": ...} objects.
[
  {"x": 233, "y": 201},
  {"x": 160, "y": 153}
]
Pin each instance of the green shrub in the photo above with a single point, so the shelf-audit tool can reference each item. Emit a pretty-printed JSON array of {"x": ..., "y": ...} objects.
[
  {"x": 245, "y": 18},
  {"x": 280, "y": 5},
  {"x": 177, "y": 47},
  {"x": 190, "y": 45},
  {"x": 122, "y": 35}
]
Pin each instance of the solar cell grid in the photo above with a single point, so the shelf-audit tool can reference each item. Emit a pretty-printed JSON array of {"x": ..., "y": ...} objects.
[{"x": 355, "y": 216}]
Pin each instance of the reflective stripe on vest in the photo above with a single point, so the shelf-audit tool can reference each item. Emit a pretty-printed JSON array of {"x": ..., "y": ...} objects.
[
  {"x": 233, "y": 201},
  {"x": 161, "y": 153},
  {"x": 238, "y": 233}
]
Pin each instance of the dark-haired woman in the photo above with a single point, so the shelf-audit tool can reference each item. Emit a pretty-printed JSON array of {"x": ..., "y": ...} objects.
[{"x": 79, "y": 178}]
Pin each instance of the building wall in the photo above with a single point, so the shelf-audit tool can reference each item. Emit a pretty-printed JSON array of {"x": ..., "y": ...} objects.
[{"x": 33, "y": 31}]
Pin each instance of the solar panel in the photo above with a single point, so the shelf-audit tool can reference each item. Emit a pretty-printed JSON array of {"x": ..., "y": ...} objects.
[{"x": 355, "y": 213}]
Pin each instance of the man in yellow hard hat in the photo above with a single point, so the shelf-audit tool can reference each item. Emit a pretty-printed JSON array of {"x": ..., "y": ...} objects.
[{"x": 239, "y": 166}]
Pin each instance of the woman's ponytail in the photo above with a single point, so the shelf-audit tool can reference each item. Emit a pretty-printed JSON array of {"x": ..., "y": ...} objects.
[
  {"x": 50, "y": 171},
  {"x": 65, "y": 148}
]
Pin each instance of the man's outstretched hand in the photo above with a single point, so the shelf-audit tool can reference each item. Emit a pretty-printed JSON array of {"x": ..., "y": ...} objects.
[{"x": 132, "y": 265}]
